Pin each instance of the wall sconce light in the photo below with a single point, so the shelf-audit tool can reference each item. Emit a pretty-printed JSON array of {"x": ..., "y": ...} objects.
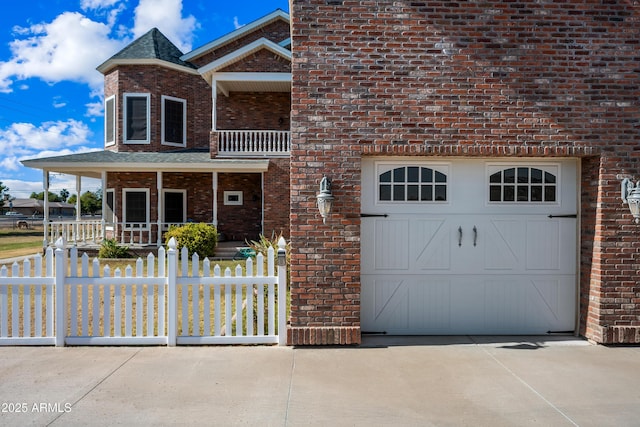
[
  {"x": 631, "y": 196},
  {"x": 325, "y": 198}
]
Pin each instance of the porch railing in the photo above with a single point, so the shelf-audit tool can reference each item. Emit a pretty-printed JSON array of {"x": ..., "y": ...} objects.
[
  {"x": 252, "y": 143},
  {"x": 90, "y": 232},
  {"x": 83, "y": 231}
]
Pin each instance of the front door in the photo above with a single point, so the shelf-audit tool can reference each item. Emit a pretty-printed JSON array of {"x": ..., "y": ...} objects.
[{"x": 468, "y": 246}]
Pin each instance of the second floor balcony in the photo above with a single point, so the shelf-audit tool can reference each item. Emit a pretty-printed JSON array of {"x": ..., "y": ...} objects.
[{"x": 251, "y": 143}]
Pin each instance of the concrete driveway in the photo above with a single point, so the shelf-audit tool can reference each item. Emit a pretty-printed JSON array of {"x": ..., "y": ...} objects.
[{"x": 426, "y": 381}]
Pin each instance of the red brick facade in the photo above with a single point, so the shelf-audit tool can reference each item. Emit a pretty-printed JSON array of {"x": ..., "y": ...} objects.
[
  {"x": 254, "y": 111},
  {"x": 491, "y": 79}
]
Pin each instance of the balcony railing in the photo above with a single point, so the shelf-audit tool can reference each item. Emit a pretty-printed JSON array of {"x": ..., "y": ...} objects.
[{"x": 253, "y": 143}]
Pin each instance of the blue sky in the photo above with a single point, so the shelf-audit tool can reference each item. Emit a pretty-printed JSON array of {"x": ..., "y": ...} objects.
[{"x": 50, "y": 93}]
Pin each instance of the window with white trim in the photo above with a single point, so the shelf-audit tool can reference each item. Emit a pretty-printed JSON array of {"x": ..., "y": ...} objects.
[
  {"x": 523, "y": 184},
  {"x": 175, "y": 206},
  {"x": 412, "y": 184},
  {"x": 136, "y": 207},
  {"x": 137, "y": 117},
  {"x": 174, "y": 121},
  {"x": 110, "y": 120}
]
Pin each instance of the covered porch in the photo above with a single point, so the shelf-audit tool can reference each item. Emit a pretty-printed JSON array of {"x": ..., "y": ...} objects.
[{"x": 143, "y": 194}]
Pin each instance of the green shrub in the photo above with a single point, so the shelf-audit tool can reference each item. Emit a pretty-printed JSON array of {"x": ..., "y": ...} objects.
[
  {"x": 111, "y": 249},
  {"x": 198, "y": 238}
]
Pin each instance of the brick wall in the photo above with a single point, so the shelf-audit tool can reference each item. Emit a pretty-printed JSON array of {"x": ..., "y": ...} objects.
[
  {"x": 496, "y": 78},
  {"x": 240, "y": 222},
  {"x": 276, "y": 199},
  {"x": 254, "y": 111}
]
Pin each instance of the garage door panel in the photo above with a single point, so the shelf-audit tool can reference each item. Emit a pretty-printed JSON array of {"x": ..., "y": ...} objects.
[
  {"x": 391, "y": 245},
  {"x": 529, "y": 305},
  {"x": 503, "y": 249},
  {"x": 431, "y": 244},
  {"x": 406, "y": 306},
  {"x": 542, "y": 245}
]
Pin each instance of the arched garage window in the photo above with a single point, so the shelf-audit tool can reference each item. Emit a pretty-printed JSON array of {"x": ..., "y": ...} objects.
[
  {"x": 412, "y": 184},
  {"x": 523, "y": 184}
]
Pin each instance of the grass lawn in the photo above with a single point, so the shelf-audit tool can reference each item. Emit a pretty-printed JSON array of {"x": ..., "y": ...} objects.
[{"x": 18, "y": 242}]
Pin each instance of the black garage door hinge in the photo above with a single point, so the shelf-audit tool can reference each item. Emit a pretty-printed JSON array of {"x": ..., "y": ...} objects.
[
  {"x": 563, "y": 216},
  {"x": 366, "y": 215}
]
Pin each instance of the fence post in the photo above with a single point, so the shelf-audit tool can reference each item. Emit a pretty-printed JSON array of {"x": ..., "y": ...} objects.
[
  {"x": 172, "y": 301},
  {"x": 60, "y": 307},
  {"x": 282, "y": 292}
]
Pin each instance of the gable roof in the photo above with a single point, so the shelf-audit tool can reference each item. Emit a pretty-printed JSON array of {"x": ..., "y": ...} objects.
[
  {"x": 152, "y": 47},
  {"x": 240, "y": 32},
  {"x": 243, "y": 52}
]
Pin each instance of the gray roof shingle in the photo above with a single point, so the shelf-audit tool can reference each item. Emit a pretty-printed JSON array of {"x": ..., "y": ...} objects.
[{"x": 152, "y": 45}]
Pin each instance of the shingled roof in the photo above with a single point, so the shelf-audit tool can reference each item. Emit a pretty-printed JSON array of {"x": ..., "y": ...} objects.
[{"x": 151, "y": 46}]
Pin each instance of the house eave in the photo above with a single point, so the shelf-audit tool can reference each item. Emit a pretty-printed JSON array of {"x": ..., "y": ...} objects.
[{"x": 109, "y": 65}]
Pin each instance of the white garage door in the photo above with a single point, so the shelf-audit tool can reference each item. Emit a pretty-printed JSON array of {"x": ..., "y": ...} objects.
[{"x": 468, "y": 246}]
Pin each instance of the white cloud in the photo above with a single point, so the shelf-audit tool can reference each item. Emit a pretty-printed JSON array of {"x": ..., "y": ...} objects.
[
  {"x": 68, "y": 48},
  {"x": 97, "y": 4},
  {"x": 58, "y": 102},
  {"x": 26, "y": 140},
  {"x": 94, "y": 109},
  {"x": 166, "y": 15},
  {"x": 236, "y": 23}
]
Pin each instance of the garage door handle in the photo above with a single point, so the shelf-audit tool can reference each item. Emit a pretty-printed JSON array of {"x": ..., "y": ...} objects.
[
  {"x": 460, "y": 236},
  {"x": 475, "y": 235}
]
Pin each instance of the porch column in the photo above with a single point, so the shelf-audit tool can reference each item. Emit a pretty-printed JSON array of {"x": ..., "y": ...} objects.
[
  {"x": 262, "y": 202},
  {"x": 45, "y": 185},
  {"x": 104, "y": 204},
  {"x": 214, "y": 180},
  {"x": 76, "y": 226},
  {"x": 78, "y": 189},
  {"x": 159, "y": 215},
  {"x": 214, "y": 100}
]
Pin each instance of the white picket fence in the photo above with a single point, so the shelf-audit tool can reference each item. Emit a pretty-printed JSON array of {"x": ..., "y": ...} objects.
[{"x": 65, "y": 302}]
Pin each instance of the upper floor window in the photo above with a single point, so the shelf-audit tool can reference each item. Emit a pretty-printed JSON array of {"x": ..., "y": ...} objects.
[
  {"x": 136, "y": 118},
  {"x": 174, "y": 121},
  {"x": 412, "y": 184},
  {"x": 523, "y": 184},
  {"x": 110, "y": 120}
]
